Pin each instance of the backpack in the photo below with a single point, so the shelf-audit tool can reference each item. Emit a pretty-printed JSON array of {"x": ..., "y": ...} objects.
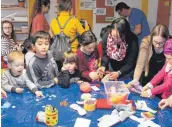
[{"x": 61, "y": 43}]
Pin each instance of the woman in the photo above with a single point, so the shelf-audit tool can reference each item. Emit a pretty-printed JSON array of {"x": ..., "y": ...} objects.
[
  {"x": 120, "y": 49},
  {"x": 72, "y": 27},
  {"x": 151, "y": 58},
  {"x": 39, "y": 21},
  {"x": 8, "y": 38}
]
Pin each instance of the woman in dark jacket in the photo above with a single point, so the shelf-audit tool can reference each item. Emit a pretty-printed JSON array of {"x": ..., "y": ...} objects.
[{"x": 120, "y": 49}]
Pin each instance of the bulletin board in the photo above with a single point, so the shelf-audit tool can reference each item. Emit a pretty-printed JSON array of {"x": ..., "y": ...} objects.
[{"x": 109, "y": 11}]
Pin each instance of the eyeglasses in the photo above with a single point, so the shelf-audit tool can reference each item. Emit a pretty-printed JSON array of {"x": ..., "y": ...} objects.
[
  {"x": 158, "y": 43},
  {"x": 7, "y": 28}
]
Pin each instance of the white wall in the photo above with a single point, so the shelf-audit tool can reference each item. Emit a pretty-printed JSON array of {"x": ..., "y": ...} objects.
[{"x": 98, "y": 26}]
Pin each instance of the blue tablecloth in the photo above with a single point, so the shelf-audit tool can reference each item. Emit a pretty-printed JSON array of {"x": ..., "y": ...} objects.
[{"x": 26, "y": 108}]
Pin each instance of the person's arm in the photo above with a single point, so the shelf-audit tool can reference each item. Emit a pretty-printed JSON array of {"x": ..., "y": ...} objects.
[
  {"x": 64, "y": 79},
  {"x": 138, "y": 29},
  {"x": 6, "y": 85},
  {"x": 131, "y": 58},
  {"x": 29, "y": 84},
  {"x": 141, "y": 60},
  {"x": 105, "y": 58},
  {"x": 79, "y": 27},
  {"x": 158, "y": 77}
]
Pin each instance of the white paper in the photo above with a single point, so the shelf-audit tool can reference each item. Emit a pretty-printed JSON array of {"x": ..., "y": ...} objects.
[
  {"x": 81, "y": 122},
  {"x": 110, "y": 2},
  {"x": 100, "y": 11},
  {"x": 95, "y": 88},
  {"x": 86, "y": 4}
]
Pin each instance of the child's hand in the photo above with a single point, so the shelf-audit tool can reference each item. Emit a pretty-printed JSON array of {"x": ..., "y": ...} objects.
[
  {"x": 19, "y": 90},
  {"x": 146, "y": 93},
  {"x": 39, "y": 93},
  {"x": 3, "y": 94},
  {"x": 55, "y": 80},
  {"x": 163, "y": 103},
  {"x": 147, "y": 86},
  {"x": 94, "y": 75},
  {"x": 131, "y": 84},
  {"x": 101, "y": 70}
]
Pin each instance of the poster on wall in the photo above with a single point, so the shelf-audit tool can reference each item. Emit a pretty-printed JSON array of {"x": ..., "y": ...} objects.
[
  {"x": 86, "y": 4},
  {"x": 100, "y": 11},
  {"x": 110, "y": 2}
]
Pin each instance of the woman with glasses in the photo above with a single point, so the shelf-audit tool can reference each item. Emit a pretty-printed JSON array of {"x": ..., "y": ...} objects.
[
  {"x": 120, "y": 49},
  {"x": 8, "y": 38},
  {"x": 151, "y": 58},
  {"x": 39, "y": 21}
]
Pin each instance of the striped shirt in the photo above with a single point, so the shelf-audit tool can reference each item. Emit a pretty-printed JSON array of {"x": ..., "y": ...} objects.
[{"x": 7, "y": 45}]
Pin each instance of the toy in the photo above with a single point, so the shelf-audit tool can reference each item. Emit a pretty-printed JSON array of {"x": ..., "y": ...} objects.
[
  {"x": 85, "y": 87},
  {"x": 51, "y": 115}
]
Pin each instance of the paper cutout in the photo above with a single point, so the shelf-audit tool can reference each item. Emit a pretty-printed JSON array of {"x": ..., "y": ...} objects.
[
  {"x": 147, "y": 115},
  {"x": 81, "y": 122},
  {"x": 80, "y": 110},
  {"x": 6, "y": 105},
  {"x": 148, "y": 123}
]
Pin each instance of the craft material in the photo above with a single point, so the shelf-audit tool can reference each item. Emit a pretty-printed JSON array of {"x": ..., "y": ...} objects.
[
  {"x": 51, "y": 115},
  {"x": 90, "y": 104},
  {"x": 136, "y": 87},
  {"x": 148, "y": 123},
  {"x": 63, "y": 103},
  {"x": 148, "y": 115},
  {"x": 85, "y": 87},
  {"x": 102, "y": 103},
  {"x": 135, "y": 118},
  {"x": 6, "y": 105},
  {"x": 81, "y": 122},
  {"x": 80, "y": 110},
  {"x": 95, "y": 88},
  {"x": 40, "y": 117},
  {"x": 13, "y": 106},
  {"x": 85, "y": 96}
]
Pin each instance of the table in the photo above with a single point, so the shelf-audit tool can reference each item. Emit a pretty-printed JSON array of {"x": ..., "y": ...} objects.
[{"x": 26, "y": 108}]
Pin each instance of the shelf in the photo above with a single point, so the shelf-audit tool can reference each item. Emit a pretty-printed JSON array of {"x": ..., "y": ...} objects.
[
  {"x": 20, "y": 32},
  {"x": 19, "y": 21},
  {"x": 14, "y": 8}
]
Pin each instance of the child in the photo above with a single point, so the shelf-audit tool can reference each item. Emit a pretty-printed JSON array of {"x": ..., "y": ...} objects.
[
  {"x": 42, "y": 69},
  {"x": 88, "y": 56},
  {"x": 69, "y": 73},
  {"x": 165, "y": 74},
  {"x": 8, "y": 38},
  {"x": 15, "y": 79},
  {"x": 30, "y": 51}
]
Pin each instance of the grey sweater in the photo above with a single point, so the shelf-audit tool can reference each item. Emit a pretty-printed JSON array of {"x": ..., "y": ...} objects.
[
  {"x": 10, "y": 83},
  {"x": 42, "y": 71}
]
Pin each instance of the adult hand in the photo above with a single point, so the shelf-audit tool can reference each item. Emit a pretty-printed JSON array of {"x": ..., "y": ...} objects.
[
  {"x": 94, "y": 75},
  {"x": 19, "y": 90},
  {"x": 39, "y": 93},
  {"x": 131, "y": 83},
  {"x": 113, "y": 76}
]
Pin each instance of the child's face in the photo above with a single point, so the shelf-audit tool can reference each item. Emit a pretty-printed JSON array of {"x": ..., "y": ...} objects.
[
  {"x": 17, "y": 67},
  {"x": 89, "y": 48},
  {"x": 41, "y": 46},
  {"x": 69, "y": 66},
  {"x": 7, "y": 28},
  {"x": 168, "y": 58}
]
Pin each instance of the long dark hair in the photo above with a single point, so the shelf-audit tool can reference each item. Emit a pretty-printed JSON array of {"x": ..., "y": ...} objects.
[
  {"x": 38, "y": 6},
  {"x": 13, "y": 36},
  {"x": 87, "y": 38},
  {"x": 123, "y": 27},
  {"x": 65, "y": 5}
]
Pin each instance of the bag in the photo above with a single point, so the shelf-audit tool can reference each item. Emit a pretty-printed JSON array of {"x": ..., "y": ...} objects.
[{"x": 61, "y": 43}]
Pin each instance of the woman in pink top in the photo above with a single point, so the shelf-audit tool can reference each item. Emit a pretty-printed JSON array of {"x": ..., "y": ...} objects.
[
  {"x": 164, "y": 75},
  {"x": 39, "y": 21}
]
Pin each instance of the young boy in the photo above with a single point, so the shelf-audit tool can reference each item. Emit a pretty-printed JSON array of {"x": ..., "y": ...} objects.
[
  {"x": 15, "y": 79},
  {"x": 42, "y": 68}
]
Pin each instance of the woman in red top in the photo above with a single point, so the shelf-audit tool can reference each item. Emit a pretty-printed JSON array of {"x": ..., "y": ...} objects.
[{"x": 39, "y": 21}]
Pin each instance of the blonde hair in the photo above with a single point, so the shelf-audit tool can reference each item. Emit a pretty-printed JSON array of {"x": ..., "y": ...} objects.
[
  {"x": 70, "y": 57},
  {"x": 15, "y": 55}
]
